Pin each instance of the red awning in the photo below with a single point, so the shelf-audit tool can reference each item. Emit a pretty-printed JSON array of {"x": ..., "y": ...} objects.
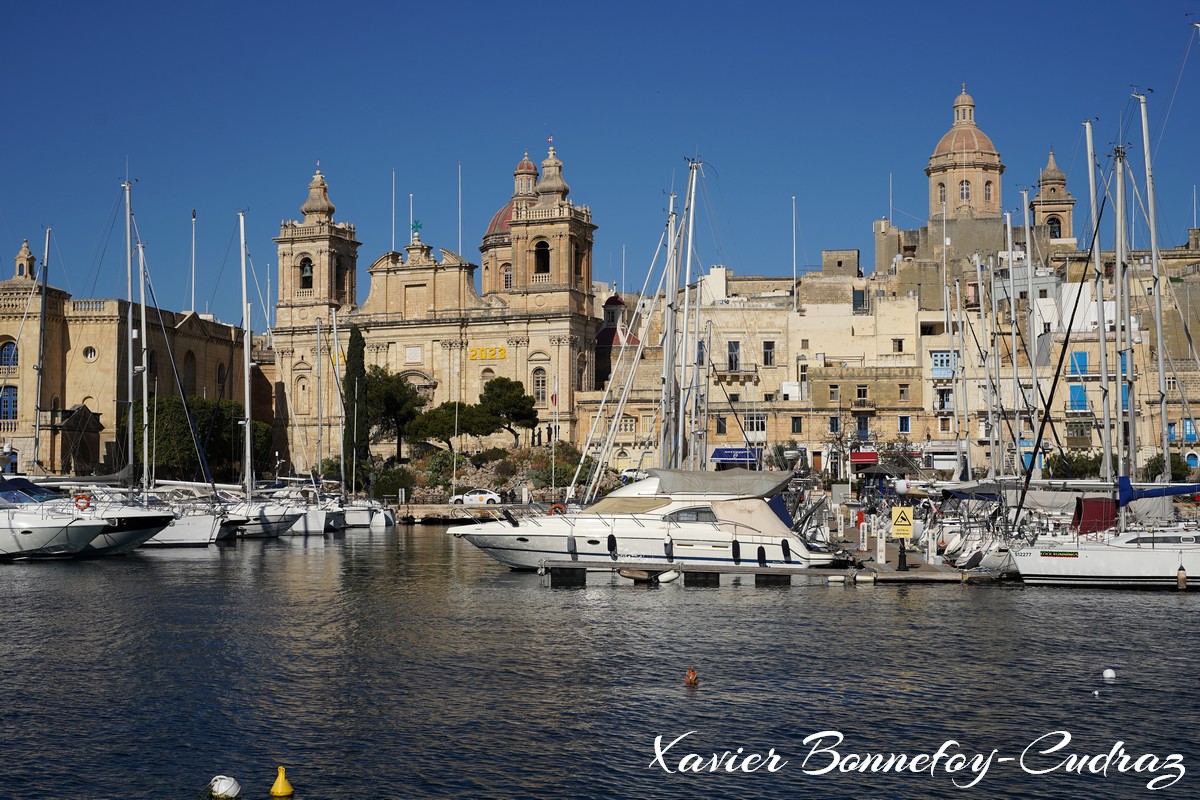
[{"x": 864, "y": 457}]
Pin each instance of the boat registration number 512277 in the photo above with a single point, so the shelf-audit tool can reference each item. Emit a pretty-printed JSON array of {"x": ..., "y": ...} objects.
[{"x": 486, "y": 353}]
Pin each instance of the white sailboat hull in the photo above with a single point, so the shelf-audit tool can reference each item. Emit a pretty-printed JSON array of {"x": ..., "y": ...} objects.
[{"x": 1117, "y": 563}]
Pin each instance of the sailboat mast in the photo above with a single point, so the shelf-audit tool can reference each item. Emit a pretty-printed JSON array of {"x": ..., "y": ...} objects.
[
  {"x": 1031, "y": 311},
  {"x": 320, "y": 410},
  {"x": 248, "y": 451},
  {"x": 341, "y": 390},
  {"x": 1101, "y": 323},
  {"x": 989, "y": 401},
  {"x": 693, "y": 170},
  {"x": 1157, "y": 284},
  {"x": 1012, "y": 330},
  {"x": 667, "y": 402},
  {"x": 144, "y": 369},
  {"x": 37, "y": 398},
  {"x": 1119, "y": 289},
  {"x": 129, "y": 322}
]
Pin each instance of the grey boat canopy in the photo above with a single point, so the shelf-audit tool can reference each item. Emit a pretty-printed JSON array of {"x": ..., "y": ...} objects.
[{"x": 738, "y": 481}]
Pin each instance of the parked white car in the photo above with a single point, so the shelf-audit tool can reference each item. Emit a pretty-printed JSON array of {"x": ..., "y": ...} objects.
[
  {"x": 630, "y": 474},
  {"x": 476, "y": 497}
]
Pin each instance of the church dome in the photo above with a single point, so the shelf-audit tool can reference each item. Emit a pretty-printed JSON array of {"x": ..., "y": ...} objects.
[
  {"x": 500, "y": 220},
  {"x": 552, "y": 183},
  {"x": 964, "y": 136},
  {"x": 1052, "y": 174},
  {"x": 615, "y": 300},
  {"x": 525, "y": 167}
]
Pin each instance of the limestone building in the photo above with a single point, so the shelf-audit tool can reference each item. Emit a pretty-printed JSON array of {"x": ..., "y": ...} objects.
[{"x": 532, "y": 320}]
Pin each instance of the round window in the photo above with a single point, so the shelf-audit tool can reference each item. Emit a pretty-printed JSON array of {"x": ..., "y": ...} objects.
[{"x": 89, "y": 353}]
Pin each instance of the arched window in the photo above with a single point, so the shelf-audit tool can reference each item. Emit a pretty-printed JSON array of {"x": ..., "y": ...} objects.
[
  {"x": 541, "y": 258},
  {"x": 539, "y": 386},
  {"x": 8, "y": 403},
  {"x": 487, "y": 375},
  {"x": 942, "y": 193},
  {"x": 189, "y": 374},
  {"x": 9, "y": 355},
  {"x": 302, "y": 404},
  {"x": 306, "y": 273},
  {"x": 964, "y": 191},
  {"x": 220, "y": 375},
  {"x": 506, "y": 276},
  {"x": 987, "y": 192},
  {"x": 1055, "y": 225}
]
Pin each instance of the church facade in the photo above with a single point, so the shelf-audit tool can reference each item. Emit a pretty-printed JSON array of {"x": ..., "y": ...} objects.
[{"x": 423, "y": 318}]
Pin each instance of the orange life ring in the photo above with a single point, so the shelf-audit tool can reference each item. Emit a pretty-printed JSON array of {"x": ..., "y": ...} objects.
[
  {"x": 557, "y": 508},
  {"x": 83, "y": 502}
]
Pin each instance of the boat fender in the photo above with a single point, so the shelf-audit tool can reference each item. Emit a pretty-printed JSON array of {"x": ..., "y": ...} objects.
[
  {"x": 1181, "y": 578},
  {"x": 83, "y": 502},
  {"x": 572, "y": 548},
  {"x": 224, "y": 788},
  {"x": 281, "y": 787},
  {"x": 557, "y": 508},
  {"x": 669, "y": 548},
  {"x": 668, "y": 576}
]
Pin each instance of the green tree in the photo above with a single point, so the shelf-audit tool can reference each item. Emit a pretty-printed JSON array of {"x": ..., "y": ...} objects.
[
  {"x": 1180, "y": 471},
  {"x": 505, "y": 399},
  {"x": 451, "y": 419},
  {"x": 392, "y": 404},
  {"x": 354, "y": 443},
  {"x": 217, "y": 430}
]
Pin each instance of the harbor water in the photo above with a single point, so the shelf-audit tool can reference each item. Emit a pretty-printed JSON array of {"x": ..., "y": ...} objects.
[{"x": 406, "y": 664}]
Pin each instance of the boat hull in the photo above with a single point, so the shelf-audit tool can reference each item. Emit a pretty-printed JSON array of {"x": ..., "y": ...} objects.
[{"x": 1101, "y": 566}]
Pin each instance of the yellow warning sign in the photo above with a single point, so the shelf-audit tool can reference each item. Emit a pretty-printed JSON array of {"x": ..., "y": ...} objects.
[{"x": 902, "y": 522}]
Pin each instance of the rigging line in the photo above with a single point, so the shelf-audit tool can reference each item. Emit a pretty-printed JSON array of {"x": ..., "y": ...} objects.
[
  {"x": 233, "y": 237},
  {"x": 206, "y": 471},
  {"x": 1062, "y": 353},
  {"x": 1192, "y": 30},
  {"x": 98, "y": 258}
]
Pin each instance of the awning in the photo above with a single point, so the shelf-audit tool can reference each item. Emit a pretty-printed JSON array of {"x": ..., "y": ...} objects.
[
  {"x": 864, "y": 457},
  {"x": 737, "y": 455}
]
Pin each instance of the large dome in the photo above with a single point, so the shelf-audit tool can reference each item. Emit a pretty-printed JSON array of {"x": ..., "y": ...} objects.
[
  {"x": 500, "y": 220},
  {"x": 964, "y": 139}
]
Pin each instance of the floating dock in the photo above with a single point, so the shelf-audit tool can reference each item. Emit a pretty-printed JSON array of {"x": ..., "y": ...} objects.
[{"x": 574, "y": 573}]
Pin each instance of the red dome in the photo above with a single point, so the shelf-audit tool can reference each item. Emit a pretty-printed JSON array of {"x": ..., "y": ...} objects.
[{"x": 499, "y": 223}]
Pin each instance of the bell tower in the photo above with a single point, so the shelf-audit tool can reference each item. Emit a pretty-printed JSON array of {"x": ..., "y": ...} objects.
[
  {"x": 1053, "y": 205},
  {"x": 539, "y": 244},
  {"x": 317, "y": 261}
]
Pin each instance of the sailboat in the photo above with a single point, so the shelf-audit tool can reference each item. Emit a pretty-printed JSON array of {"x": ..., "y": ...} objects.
[
  {"x": 1108, "y": 549},
  {"x": 732, "y": 517}
]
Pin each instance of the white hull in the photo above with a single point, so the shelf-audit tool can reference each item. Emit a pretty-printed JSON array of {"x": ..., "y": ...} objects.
[
  {"x": 647, "y": 540},
  {"x": 310, "y": 523},
  {"x": 26, "y": 534},
  {"x": 1119, "y": 562},
  {"x": 188, "y": 530},
  {"x": 264, "y": 520}
]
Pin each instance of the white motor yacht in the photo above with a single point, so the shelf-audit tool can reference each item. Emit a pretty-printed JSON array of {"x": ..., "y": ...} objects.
[{"x": 722, "y": 518}]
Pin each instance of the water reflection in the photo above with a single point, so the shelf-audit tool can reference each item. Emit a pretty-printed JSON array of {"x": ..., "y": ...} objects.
[{"x": 405, "y": 663}]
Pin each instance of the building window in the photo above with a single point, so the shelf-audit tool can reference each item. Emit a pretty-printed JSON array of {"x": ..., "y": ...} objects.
[
  {"x": 835, "y": 425},
  {"x": 804, "y": 344},
  {"x": 987, "y": 192},
  {"x": 756, "y": 422},
  {"x": 306, "y": 273},
  {"x": 897, "y": 345},
  {"x": 1172, "y": 384},
  {"x": 1171, "y": 427},
  {"x": 506, "y": 276},
  {"x": 769, "y": 397},
  {"x": 944, "y": 425},
  {"x": 734, "y": 352},
  {"x": 964, "y": 191},
  {"x": 1055, "y": 225},
  {"x": 541, "y": 258},
  {"x": 735, "y": 398},
  {"x": 627, "y": 425},
  {"x": 539, "y": 386},
  {"x": 862, "y": 427},
  {"x": 905, "y": 393},
  {"x": 835, "y": 394},
  {"x": 9, "y": 355},
  {"x": 189, "y": 374},
  {"x": 89, "y": 353},
  {"x": 768, "y": 354},
  {"x": 860, "y": 393},
  {"x": 220, "y": 372},
  {"x": 720, "y": 424},
  {"x": 942, "y": 193},
  {"x": 797, "y": 424},
  {"x": 8, "y": 403},
  {"x": 904, "y": 425}
]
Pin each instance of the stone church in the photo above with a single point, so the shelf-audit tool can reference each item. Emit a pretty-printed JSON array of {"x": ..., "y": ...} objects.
[{"x": 532, "y": 321}]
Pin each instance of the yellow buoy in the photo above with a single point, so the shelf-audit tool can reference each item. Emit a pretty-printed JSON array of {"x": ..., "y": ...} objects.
[{"x": 281, "y": 788}]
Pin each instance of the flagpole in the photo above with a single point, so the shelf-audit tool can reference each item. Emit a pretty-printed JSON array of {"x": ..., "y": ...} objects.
[{"x": 393, "y": 209}]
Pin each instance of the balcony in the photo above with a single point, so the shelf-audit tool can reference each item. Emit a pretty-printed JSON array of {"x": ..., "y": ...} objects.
[
  {"x": 943, "y": 409},
  {"x": 864, "y": 405},
  {"x": 1077, "y": 408}
]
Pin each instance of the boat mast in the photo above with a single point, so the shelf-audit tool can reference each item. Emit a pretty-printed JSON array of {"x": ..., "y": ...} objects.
[
  {"x": 320, "y": 416},
  {"x": 247, "y": 453},
  {"x": 1119, "y": 290},
  {"x": 129, "y": 322},
  {"x": 994, "y": 382},
  {"x": 984, "y": 356},
  {"x": 668, "y": 401},
  {"x": 1031, "y": 324},
  {"x": 1101, "y": 324},
  {"x": 341, "y": 393},
  {"x": 693, "y": 170},
  {"x": 37, "y": 400},
  {"x": 1018, "y": 461},
  {"x": 144, "y": 369},
  {"x": 1157, "y": 286}
]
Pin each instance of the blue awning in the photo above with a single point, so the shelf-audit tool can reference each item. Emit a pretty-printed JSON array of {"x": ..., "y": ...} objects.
[{"x": 738, "y": 455}]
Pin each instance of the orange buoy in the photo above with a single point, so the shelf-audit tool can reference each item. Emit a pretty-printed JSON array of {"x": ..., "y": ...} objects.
[
  {"x": 691, "y": 679},
  {"x": 557, "y": 508}
]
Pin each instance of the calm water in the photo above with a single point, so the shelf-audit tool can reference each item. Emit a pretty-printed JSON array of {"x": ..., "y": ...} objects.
[{"x": 407, "y": 664}]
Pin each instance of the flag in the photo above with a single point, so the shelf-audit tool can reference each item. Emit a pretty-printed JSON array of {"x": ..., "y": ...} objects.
[
  {"x": 554, "y": 394},
  {"x": 550, "y": 140}
]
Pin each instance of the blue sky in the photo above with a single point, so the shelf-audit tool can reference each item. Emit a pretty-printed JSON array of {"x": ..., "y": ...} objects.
[{"x": 221, "y": 107}]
